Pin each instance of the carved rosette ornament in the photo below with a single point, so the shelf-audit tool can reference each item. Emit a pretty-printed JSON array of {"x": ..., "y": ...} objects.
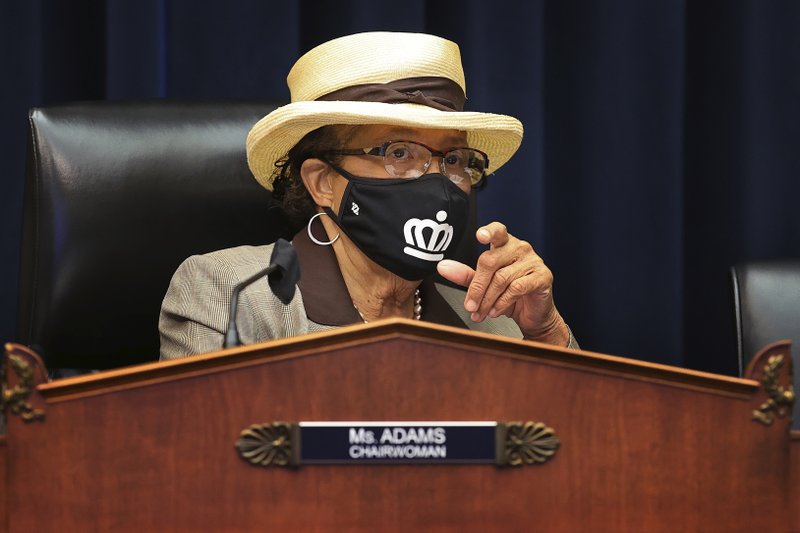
[
  {"x": 528, "y": 443},
  {"x": 267, "y": 444},
  {"x": 780, "y": 398},
  {"x": 15, "y": 399}
]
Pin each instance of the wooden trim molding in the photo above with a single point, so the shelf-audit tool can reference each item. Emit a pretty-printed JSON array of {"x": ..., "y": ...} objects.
[{"x": 379, "y": 331}]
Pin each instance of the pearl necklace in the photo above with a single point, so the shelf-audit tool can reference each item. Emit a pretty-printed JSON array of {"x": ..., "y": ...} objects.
[{"x": 417, "y": 308}]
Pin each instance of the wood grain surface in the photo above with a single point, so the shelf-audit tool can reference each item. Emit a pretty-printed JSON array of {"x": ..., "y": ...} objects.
[{"x": 644, "y": 447}]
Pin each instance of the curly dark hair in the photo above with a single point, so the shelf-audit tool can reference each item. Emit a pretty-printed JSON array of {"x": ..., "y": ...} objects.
[{"x": 289, "y": 192}]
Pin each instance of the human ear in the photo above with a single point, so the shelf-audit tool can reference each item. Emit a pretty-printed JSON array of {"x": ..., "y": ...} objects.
[{"x": 317, "y": 178}]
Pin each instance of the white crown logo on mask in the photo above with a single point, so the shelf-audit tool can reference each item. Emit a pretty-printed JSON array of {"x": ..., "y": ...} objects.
[{"x": 438, "y": 238}]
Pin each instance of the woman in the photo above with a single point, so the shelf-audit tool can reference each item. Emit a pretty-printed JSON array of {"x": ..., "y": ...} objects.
[{"x": 376, "y": 157}]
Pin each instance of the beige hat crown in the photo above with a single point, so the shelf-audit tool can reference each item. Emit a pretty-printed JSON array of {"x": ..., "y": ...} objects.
[
  {"x": 376, "y": 57},
  {"x": 366, "y": 59}
]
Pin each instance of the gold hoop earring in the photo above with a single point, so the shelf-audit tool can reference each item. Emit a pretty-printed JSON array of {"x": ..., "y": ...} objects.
[{"x": 314, "y": 239}]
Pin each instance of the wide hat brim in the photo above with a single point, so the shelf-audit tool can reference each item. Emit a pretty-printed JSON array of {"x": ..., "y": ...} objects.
[{"x": 273, "y": 136}]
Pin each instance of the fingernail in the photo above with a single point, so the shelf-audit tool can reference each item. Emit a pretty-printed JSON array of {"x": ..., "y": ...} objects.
[
  {"x": 493, "y": 313},
  {"x": 483, "y": 233},
  {"x": 471, "y": 305},
  {"x": 475, "y": 317}
]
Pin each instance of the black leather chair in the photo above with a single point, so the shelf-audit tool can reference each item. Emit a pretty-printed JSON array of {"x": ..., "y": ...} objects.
[
  {"x": 766, "y": 298},
  {"x": 117, "y": 195}
]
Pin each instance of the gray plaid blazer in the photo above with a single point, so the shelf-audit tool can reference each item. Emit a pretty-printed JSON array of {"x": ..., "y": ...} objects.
[{"x": 194, "y": 313}]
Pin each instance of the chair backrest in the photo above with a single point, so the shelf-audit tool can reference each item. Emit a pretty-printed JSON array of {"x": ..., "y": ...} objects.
[
  {"x": 117, "y": 195},
  {"x": 766, "y": 298}
]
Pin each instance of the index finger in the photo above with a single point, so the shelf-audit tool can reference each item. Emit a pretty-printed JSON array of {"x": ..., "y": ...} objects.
[{"x": 494, "y": 234}]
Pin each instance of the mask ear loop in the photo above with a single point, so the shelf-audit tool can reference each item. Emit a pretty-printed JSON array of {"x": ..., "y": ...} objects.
[{"x": 311, "y": 234}]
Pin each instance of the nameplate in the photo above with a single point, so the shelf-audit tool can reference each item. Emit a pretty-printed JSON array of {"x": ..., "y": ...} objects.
[
  {"x": 406, "y": 442},
  {"x": 397, "y": 442}
]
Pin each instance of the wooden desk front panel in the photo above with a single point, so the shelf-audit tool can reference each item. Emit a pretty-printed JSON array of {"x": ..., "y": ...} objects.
[{"x": 637, "y": 454}]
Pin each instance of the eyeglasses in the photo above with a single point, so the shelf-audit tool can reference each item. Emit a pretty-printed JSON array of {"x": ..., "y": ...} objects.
[{"x": 410, "y": 159}]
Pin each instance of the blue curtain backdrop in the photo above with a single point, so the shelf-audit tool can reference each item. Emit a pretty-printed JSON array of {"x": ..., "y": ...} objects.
[{"x": 662, "y": 138}]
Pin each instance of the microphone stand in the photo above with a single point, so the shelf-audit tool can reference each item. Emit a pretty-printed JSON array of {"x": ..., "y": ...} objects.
[
  {"x": 232, "y": 336},
  {"x": 283, "y": 273}
]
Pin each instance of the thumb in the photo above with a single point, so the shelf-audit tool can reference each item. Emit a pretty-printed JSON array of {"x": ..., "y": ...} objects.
[{"x": 455, "y": 272}]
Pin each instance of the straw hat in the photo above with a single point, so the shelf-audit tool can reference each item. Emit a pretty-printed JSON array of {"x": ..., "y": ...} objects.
[{"x": 403, "y": 79}]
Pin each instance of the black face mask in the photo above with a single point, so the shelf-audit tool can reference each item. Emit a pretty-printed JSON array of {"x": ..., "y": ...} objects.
[{"x": 405, "y": 225}]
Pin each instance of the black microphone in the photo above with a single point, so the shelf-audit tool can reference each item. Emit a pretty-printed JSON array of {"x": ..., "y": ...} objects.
[{"x": 283, "y": 273}]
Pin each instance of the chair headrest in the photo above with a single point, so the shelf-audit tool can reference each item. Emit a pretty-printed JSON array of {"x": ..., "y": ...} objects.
[{"x": 117, "y": 195}]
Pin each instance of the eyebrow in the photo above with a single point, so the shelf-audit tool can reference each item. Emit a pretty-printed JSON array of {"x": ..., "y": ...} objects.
[{"x": 392, "y": 135}]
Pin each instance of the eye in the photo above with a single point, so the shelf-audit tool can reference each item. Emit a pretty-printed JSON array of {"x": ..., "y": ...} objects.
[
  {"x": 399, "y": 152},
  {"x": 453, "y": 159}
]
